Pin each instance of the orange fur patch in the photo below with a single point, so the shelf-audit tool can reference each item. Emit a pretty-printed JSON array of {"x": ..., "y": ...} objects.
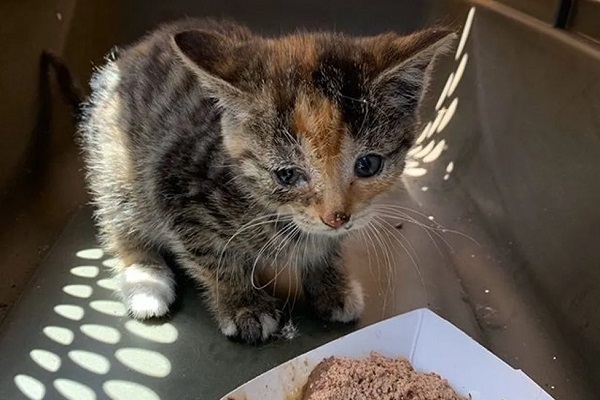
[
  {"x": 317, "y": 120},
  {"x": 319, "y": 123}
]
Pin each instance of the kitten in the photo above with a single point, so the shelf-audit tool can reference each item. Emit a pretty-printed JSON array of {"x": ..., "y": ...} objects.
[{"x": 238, "y": 153}]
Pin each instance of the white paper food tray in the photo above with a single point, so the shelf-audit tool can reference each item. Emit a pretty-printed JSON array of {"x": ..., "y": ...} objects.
[{"x": 431, "y": 343}]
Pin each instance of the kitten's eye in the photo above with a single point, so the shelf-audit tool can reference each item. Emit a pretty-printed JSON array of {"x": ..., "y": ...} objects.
[
  {"x": 289, "y": 176},
  {"x": 367, "y": 166}
]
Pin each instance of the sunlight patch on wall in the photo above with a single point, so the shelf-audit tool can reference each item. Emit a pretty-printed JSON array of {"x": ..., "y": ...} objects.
[
  {"x": 427, "y": 148},
  {"x": 435, "y": 153},
  {"x": 442, "y": 97},
  {"x": 415, "y": 172},
  {"x": 424, "y": 134},
  {"x": 458, "y": 74},
  {"x": 465, "y": 33},
  {"x": 448, "y": 115},
  {"x": 423, "y": 151}
]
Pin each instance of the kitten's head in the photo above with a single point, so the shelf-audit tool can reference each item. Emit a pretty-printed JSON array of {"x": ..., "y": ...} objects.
[{"x": 319, "y": 124}]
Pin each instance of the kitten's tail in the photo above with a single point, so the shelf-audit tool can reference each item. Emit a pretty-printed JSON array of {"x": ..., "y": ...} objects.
[{"x": 70, "y": 91}]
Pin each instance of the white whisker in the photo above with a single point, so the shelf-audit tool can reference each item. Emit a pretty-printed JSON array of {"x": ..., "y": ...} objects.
[
  {"x": 391, "y": 233},
  {"x": 268, "y": 244}
]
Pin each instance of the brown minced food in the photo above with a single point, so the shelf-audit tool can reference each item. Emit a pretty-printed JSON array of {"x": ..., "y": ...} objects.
[{"x": 374, "y": 378}]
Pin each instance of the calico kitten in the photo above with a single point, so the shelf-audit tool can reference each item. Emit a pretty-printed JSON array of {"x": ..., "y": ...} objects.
[{"x": 238, "y": 153}]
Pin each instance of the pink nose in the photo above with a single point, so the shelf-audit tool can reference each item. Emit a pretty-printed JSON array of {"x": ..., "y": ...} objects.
[{"x": 335, "y": 220}]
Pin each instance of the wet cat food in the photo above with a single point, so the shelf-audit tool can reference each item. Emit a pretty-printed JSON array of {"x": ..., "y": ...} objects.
[{"x": 374, "y": 378}]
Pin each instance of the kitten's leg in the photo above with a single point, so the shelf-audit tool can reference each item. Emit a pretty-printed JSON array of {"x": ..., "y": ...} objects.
[
  {"x": 147, "y": 285},
  {"x": 241, "y": 310},
  {"x": 333, "y": 294}
]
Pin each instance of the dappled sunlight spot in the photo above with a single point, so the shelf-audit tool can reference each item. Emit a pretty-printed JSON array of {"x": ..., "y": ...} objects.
[
  {"x": 423, "y": 134},
  {"x": 81, "y": 291},
  {"x": 444, "y": 91},
  {"x": 435, "y": 153},
  {"x": 90, "y": 254},
  {"x": 109, "y": 307},
  {"x": 45, "y": 359},
  {"x": 59, "y": 334},
  {"x": 450, "y": 167},
  {"x": 108, "y": 283},
  {"x": 416, "y": 172},
  {"x": 144, "y": 361},
  {"x": 425, "y": 150},
  {"x": 125, "y": 390},
  {"x": 101, "y": 333},
  {"x": 465, "y": 33},
  {"x": 30, "y": 387},
  {"x": 414, "y": 151},
  {"x": 448, "y": 115},
  {"x": 411, "y": 164},
  {"x": 110, "y": 262},
  {"x": 436, "y": 122},
  {"x": 69, "y": 311},
  {"x": 72, "y": 390},
  {"x": 92, "y": 362},
  {"x": 85, "y": 271},
  {"x": 165, "y": 333},
  {"x": 458, "y": 74}
]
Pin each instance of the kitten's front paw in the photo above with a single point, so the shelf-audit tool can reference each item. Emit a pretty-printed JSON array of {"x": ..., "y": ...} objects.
[
  {"x": 340, "y": 304},
  {"x": 147, "y": 291},
  {"x": 353, "y": 304},
  {"x": 252, "y": 323}
]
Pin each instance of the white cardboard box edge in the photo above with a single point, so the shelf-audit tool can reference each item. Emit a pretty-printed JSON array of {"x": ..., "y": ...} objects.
[{"x": 430, "y": 342}]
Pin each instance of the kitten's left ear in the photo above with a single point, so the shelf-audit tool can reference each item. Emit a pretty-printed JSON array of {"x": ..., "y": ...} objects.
[{"x": 405, "y": 64}]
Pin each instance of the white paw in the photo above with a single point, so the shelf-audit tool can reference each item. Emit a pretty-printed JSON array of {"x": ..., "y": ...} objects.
[
  {"x": 147, "y": 291},
  {"x": 354, "y": 304},
  {"x": 269, "y": 324},
  {"x": 228, "y": 327}
]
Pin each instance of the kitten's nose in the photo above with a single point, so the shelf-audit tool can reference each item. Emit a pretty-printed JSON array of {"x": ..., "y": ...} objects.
[{"x": 336, "y": 219}]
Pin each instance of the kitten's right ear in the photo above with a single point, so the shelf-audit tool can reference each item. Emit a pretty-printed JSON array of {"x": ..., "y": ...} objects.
[{"x": 207, "y": 54}]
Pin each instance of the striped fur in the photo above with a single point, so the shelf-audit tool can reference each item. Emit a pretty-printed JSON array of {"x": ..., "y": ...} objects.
[{"x": 182, "y": 135}]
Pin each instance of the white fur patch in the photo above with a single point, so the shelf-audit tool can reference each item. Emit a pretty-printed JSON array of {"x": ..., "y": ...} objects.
[
  {"x": 228, "y": 327},
  {"x": 269, "y": 325},
  {"x": 147, "y": 291},
  {"x": 354, "y": 304}
]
